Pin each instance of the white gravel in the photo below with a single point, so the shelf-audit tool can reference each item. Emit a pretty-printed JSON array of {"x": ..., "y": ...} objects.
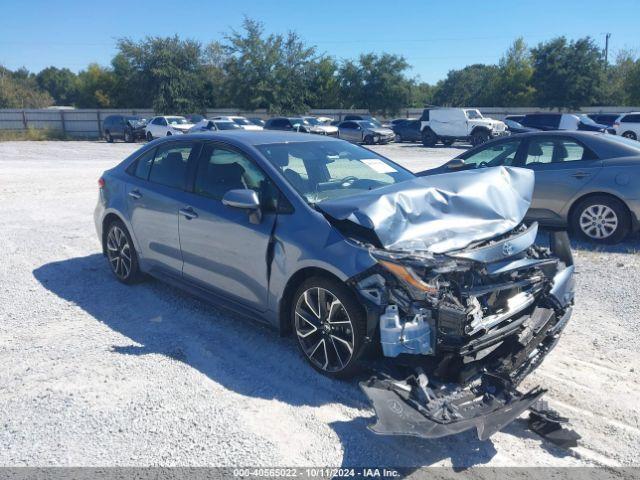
[{"x": 94, "y": 373}]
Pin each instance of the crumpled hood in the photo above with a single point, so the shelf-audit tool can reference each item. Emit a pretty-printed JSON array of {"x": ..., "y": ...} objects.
[{"x": 440, "y": 213}]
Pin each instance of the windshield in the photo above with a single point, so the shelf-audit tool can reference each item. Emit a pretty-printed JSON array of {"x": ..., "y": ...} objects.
[
  {"x": 241, "y": 121},
  {"x": 512, "y": 123},
  {"x": 588, "y": 121},
  {"x": 257, "y": 121},
  {"x": 226, "y": 125},
  {"x": 300, "y": 121},
  {"x": 325, "y": 170},
  {"x": 177, "y": 121},
  {"x": 312, "y": 121},
  {"x": 473, "y": 114},
  {"x": 367, "y": 124}
]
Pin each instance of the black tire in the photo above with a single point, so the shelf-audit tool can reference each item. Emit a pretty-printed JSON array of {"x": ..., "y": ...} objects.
[
  {"x": 169, "y": 134},
  {"x": 399, "y": 138},
  {"x": 480, "y": 137},
  {"x": 149, "y": 137},
  {"x": 333, "y": 358},
  {"x": 128, "y": 136},
  {"x": 447, "y": 143},
  {"x": 429, "y": 139},
  {"x": 631, "y": 135},
  {"x": 368, "y": 140},
  {"x": 108, "y": 137},
  {"x": 593, "y": 219},
  {"x": 118, "y": 245}
]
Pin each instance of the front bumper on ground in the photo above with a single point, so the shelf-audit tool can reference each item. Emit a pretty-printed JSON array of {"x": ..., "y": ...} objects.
[{"x": 407, "y": 402}]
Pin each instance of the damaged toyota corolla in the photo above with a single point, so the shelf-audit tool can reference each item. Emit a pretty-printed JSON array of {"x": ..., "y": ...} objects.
[{"x": 434, "y": 284}]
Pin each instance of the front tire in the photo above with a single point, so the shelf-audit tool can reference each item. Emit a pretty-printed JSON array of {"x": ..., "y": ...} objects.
[
  {"x": 121, "y": 254},
  {"x": 128, "y": 136},
  {"x": 149, "y": 137},
  {"x": 329, "y": 325},
  {"x": 630, "y": 135},
  {"x": 447, "y": 143},
  {"x": 368, "y": 140},
  {"x": 478, "y": 138},
  {"x": 601, "y": 219}
]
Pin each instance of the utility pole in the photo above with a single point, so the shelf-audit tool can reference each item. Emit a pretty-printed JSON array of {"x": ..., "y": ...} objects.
[{"x": 606, "y": 49}]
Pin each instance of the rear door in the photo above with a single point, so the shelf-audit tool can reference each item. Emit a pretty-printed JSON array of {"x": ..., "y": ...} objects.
[
  {"x": 223, "y": 250},
  {"x": 154, "y": 196},
  {"x": 563, "y": 166},
  {"x": 350, "y": 131}
]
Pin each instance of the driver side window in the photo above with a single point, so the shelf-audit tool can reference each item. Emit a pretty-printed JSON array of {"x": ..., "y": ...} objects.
[{"x": 494, "y": 155}]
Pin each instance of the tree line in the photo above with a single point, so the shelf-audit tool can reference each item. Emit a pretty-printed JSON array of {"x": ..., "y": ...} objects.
[{"x": 250, "y": 69}]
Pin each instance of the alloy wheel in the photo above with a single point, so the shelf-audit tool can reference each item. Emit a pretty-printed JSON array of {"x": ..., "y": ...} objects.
[
  {"x": 324, "y": 329},
  {"x": 119, "y": 252},
  {"x": 598, "y": 221}
]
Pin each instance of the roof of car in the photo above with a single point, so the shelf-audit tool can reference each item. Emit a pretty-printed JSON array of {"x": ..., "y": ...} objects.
[{"x": 252, "y": 137}]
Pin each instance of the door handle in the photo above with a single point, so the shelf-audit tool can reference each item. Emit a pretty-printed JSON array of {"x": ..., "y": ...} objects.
[
  {"x": 188, "y": 213},
  {"x": 135, "y": 194},
  {"x": 580, "y": 175}
]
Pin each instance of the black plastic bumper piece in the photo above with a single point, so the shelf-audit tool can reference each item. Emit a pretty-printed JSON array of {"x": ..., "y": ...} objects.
[{"x": 488, "y": 413}]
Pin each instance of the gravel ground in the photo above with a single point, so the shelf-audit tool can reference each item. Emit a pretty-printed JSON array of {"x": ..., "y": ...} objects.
[{"x": 95, "y": 373}]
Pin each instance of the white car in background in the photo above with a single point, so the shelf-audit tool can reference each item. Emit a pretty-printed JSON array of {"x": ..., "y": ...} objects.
[
  {"x": 242, "y": 122},
  {"x": 628, "y": 125},
  {"x": 165, "y": 125}
]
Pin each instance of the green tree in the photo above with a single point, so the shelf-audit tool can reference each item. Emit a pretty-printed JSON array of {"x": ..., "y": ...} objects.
[
  {"x": 375, "y": 82},
  {"x": 422, "y": 94},
  {"x": 61, "y": 83},
  {"x": 166, "y": 73},
  {"x": 323, "y": 84},
  {"x": 95, "y": 87},
  {"x": 20, "y": 90},
  {"x": 567, "y": 74},
  {"x": 513, "y": 83},
  {"x": 472, "y": 86},
  {"x": 267, "y": 71}
]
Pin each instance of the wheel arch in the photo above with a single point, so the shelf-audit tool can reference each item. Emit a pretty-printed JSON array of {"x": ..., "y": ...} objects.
[
  {"x": 480, "y": 128},
  {"x": 106, "y": 221},
  {"x": 285, "y": 303}
]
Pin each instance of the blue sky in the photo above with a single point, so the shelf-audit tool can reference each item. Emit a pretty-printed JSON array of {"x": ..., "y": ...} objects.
[{"x": 434, "y": 36}]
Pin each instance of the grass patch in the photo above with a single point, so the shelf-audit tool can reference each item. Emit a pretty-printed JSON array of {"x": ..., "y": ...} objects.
[{"x": 32, "y": 134}]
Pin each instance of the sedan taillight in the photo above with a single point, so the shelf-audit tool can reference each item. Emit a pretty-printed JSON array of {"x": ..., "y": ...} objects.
[{"x": 101, "y": 182}]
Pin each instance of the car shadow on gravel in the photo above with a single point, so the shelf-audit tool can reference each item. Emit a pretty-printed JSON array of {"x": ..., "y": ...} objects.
[{"x": 243, "y": 356}]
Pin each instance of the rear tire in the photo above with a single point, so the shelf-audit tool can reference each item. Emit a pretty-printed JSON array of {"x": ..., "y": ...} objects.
[
  {"x": 447, "y": 143},
  {"x": 128, "y": 136},
  {"x": 108, "y": 137},
  {"x": 399, "y": 138},
  {"x": 601, "y": 219},
  {"x": 429, "y": 139},
  {"x": 169, "y": 134},
  {"x": 329, "y": 325},
  {"x": 121, "y": 254},
  {"x": 630, "y": 135},
  {"x": 149, "y": 137}
]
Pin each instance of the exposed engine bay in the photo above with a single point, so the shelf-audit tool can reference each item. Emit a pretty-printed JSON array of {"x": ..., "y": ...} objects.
[{"x": 462, "y": 320}]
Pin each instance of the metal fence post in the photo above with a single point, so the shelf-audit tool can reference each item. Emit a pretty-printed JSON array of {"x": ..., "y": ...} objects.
[
  {"x": 24, "y": 120},
  {"x": 64, "y": 127},
  {"x": 99, "y": 123}
]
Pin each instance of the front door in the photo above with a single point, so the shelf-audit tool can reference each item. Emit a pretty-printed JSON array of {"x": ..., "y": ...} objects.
[
  {"x": 222, "y": 249},
  {"x": 351, "y": 131},
  {"x": 562, "y": 167}
]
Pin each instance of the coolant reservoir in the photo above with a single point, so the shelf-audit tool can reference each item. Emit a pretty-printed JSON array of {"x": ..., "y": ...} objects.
[{"x": 414, "y": 337}]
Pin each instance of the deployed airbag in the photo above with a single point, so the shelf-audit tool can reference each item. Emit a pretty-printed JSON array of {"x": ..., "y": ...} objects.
[{"x": 440, "y": 213}]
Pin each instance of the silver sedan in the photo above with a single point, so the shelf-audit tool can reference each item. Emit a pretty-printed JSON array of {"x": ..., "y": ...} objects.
[
  {"x": 585, "y": 181},
  {"x": 364, "y": 131}
]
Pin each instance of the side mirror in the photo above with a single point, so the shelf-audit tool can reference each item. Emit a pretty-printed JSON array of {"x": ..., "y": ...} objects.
[
  {"x": 245, "y": 199},
  {"x": 455, "y": 164}
]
